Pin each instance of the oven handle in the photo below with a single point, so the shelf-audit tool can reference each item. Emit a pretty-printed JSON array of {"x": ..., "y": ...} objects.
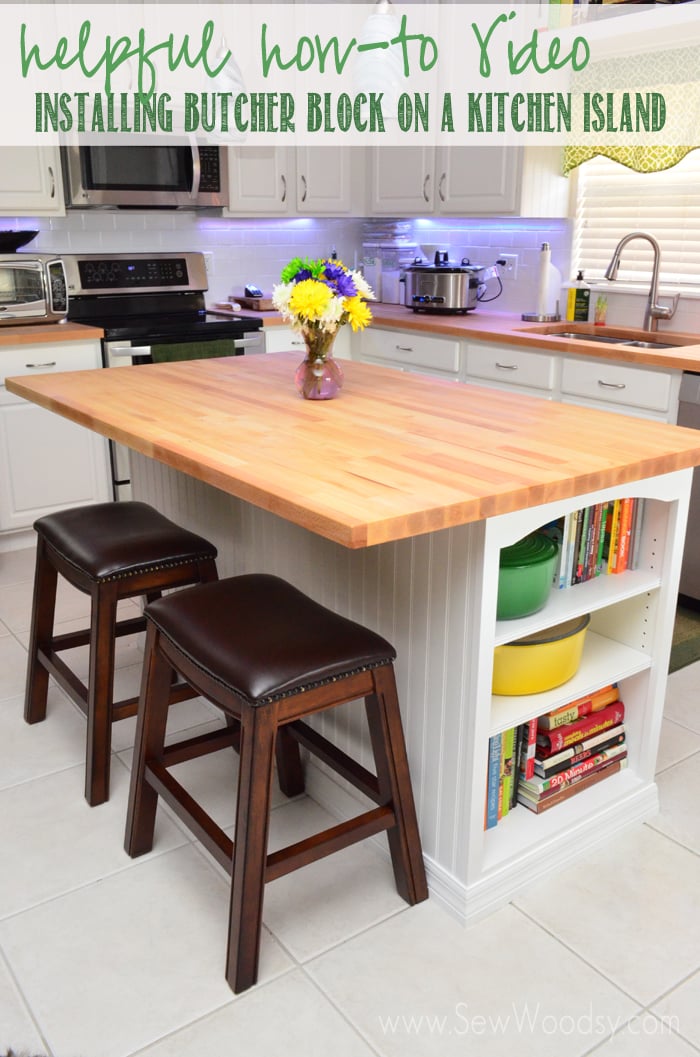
[
  {"x": 196, "y": 171},
  {"x": 248, "y": 342}
]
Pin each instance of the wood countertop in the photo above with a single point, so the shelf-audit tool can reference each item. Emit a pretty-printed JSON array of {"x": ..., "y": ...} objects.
[
  {"x": 507, "y": 328},
  {"x": 395, "y": 455},
  {"x": 41, "y": 333}
]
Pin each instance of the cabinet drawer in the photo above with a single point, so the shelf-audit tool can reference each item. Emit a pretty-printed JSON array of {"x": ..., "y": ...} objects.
[
  {"x": 411, "y": 350},
  {"x": 46, "y": 357},
  {"x": 511, "y": 365},
  {"x": 617, "y": 384},
  {"x": 282, "y": 339}
]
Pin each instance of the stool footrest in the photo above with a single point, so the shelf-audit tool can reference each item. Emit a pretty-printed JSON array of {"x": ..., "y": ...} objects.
[
  {"x": 280, "y": 862},
  {"x": 201, "y": 745},
  {"x": 343, "y": 764},
  {"x": 70, "y": 639}
]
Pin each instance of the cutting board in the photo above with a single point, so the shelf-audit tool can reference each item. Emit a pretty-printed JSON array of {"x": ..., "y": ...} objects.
[{"x": 258, "y": 304}]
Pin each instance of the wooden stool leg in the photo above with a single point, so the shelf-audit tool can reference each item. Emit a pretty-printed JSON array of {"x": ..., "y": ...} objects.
[
  {"x": 258, "y": 726},
  {"x": 389, "y": 747},
  {"x": 43, "y": 610},
  {"x": 100, "y": 693},
  {"x": 150, "y": 738},
  {"x": 290, "y": 773}
]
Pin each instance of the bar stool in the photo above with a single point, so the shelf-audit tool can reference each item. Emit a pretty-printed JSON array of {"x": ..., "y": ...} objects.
[
  {"x": 109, "y": 551},
  {"x": 269, "y": 656}
]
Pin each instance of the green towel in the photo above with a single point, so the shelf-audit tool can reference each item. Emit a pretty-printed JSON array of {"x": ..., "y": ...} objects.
[{"x": 193, "y": 350}]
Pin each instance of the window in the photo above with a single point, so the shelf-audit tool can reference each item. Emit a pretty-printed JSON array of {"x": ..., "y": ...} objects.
[{"x": 613, "y": 200}]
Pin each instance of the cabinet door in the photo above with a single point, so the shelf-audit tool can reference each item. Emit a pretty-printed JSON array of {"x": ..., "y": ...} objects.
[
  {"x": 401, "y": 180},
  {"x": 481, "y": 180},
  {"x": 261, "y": 181},
  {"x": 323, "y": 180},
  {"x": 49, "y": 464},
  {"x": 30, "y": 181}
]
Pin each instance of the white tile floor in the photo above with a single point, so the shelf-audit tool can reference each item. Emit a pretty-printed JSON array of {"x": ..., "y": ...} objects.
[{"x": 102, "y": 956}]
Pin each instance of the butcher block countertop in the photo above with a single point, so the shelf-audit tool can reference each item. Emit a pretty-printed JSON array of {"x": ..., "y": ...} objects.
[
  {"x": 507, "y": 328},
  {"x": 394, "y": 455},
  {"x": 41, "y": 333}
]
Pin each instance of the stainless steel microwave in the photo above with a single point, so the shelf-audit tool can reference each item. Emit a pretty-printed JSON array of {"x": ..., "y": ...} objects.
[
  {"x": 32, "y": 289},
  {"x": 172, "y": 176}
]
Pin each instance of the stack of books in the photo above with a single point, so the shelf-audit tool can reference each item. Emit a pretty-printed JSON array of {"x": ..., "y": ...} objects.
[
  {"x": 596, "y": 540},
  {"x": 552, "y": 758},
  {"x": 576, "y": 746},
  {"x": 511, "y": 756}
]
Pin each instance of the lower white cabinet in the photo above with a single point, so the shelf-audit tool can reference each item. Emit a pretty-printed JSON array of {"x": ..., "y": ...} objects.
[
  {"x": 410, "y": 351},
  {"x": 510, "y": 367},
  {"x": 46, "y": 462},
  {"x": 284, "y": 339},
  {"x": 650, "y": 392}
]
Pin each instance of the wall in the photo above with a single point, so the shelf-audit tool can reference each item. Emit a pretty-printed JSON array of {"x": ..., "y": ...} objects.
[{"x": 255, "y": 250}]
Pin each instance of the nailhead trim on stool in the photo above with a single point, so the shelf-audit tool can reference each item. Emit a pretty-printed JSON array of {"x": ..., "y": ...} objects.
[
  {"x": 109, "y": 551},
  {"x": 269, "y": 656}
]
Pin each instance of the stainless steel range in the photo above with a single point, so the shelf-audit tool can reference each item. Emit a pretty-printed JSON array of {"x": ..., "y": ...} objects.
[{"x": 151, "y": 308}]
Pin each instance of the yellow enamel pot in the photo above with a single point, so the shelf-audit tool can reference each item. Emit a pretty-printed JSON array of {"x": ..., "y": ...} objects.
[{"x": 540, "y": 661}]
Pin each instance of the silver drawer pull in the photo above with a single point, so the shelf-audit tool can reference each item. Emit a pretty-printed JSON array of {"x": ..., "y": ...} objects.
[
  {"x": 40, "y": 366},
  {"x": 612, "y": 385},
  {"x": 507, "y": 366},
  {"x": 404, "y": 348}
]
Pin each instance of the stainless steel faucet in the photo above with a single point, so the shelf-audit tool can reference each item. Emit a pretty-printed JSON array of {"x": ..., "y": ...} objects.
[{"x": 653, "y": 312}]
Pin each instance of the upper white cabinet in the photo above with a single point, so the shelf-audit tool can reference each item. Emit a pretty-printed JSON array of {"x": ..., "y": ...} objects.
[
  {"x": 283, "y": 181},
  {"x": 466, "y": 181},
  {"x": 30, "y": 181}
]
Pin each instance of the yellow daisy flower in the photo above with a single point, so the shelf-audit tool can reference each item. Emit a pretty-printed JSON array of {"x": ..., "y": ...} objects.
[
  {"x": 309, "y": 299},
  {"x": 358, "y": 312}
]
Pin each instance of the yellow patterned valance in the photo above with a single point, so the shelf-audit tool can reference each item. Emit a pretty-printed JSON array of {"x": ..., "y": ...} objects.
[
  {"x": 641, "y": 159},
  {"x": 672, "y": 73}
]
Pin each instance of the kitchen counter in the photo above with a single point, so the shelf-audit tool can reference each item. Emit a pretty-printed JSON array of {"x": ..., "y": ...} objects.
[
  {"x": 508, "y": 328},
  {"x": 395, "y": 456},
  {"x": 43, "y": 333},
  {"x": 390, "y": 505}
]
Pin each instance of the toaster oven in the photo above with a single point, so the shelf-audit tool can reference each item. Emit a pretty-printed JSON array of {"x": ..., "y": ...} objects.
[{"x": 32, "y": 288}]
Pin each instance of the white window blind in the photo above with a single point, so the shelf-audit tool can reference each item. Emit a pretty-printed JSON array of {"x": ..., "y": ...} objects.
[{"x": 613, "y": 200}]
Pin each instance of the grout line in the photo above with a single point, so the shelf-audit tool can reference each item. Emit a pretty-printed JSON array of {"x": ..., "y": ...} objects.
[{"x": 25, "y": 1001}]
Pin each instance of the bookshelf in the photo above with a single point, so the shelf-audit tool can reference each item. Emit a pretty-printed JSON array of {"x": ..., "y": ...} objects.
[{"x": 628, "y": 642}]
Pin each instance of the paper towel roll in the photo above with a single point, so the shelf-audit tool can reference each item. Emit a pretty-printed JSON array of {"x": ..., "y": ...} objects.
[{"x": 543, "y": 282}]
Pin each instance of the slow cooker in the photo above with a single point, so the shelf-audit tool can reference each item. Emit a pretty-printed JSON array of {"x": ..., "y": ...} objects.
[{"x": 443, "y": 286}]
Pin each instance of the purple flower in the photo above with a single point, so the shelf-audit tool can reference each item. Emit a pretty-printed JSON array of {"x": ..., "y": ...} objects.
[{"x": 339, "y": 279}]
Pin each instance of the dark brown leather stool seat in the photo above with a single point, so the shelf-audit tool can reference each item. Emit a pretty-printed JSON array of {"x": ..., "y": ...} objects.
[
  {"x": 109, "y": 551},
  {"x": 269, "y": 656}
]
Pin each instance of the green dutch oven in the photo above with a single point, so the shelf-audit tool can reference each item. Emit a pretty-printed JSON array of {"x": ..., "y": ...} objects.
[{"x": 525, "y": 576}]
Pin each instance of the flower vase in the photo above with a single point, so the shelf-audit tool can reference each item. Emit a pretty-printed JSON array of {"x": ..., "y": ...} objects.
[{"x": 319, "y": 376}]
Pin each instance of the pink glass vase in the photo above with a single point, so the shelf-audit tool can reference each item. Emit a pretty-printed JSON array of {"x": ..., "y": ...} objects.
[{"x": 319, "y": 376}]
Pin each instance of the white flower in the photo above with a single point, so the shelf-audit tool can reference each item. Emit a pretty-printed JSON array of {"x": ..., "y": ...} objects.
[
  {"x": 363, "y": 287},
  {"x": 280, "y": 297}
]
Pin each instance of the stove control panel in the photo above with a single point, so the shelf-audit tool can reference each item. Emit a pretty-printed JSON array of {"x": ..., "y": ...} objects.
[
  {"x": 92, "y": 274},
  {"x": 132, "y": 273}
]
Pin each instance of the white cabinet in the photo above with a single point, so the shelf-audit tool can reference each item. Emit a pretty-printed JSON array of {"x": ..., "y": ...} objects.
[
  {"x": 650, "y": 392},
  {"x": 30, "y": 181},
  {"x": 510, "y": 367},
  {"x": 284, "y": 339},
  {"x": 628, "y": 642},
  {"x": 46, "y": 462},
  {"x": 410, "y": 351},
  {"x": 466, "y": 181},
  {"x": 282, "y": 181}
]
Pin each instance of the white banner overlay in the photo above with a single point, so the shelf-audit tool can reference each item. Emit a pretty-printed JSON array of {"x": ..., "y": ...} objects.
[{"x": 351, "y": 74}]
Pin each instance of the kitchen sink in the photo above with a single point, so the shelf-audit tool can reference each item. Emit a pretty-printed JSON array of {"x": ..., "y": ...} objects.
[{"x": 607, "y": 339}]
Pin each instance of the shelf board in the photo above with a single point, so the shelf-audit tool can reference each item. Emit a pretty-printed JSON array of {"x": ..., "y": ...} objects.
[
  {"x": 600, "y": 655},
  {"x": 522, "y": 832},
  {"x": 595, "y": 594}
]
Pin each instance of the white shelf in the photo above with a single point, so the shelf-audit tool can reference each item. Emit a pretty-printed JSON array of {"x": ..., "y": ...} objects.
[
  {"x": 522, "y": 832},
  {"x": 595, "y": 594},
  {"x": 600, "y": 655}
]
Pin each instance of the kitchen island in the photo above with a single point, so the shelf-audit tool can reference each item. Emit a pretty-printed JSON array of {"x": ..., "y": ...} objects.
[{"x": 391, "y": 504}]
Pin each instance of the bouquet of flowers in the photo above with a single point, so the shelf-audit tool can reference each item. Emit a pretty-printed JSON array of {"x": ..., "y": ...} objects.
[{"x": 317, "y": 297}]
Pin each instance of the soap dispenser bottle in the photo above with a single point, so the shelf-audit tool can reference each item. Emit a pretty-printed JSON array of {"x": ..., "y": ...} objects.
[{"x": 578, "y": 300}]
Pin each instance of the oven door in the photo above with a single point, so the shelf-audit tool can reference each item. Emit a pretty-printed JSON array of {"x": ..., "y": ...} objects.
[{"x": 124, "y": 353}]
